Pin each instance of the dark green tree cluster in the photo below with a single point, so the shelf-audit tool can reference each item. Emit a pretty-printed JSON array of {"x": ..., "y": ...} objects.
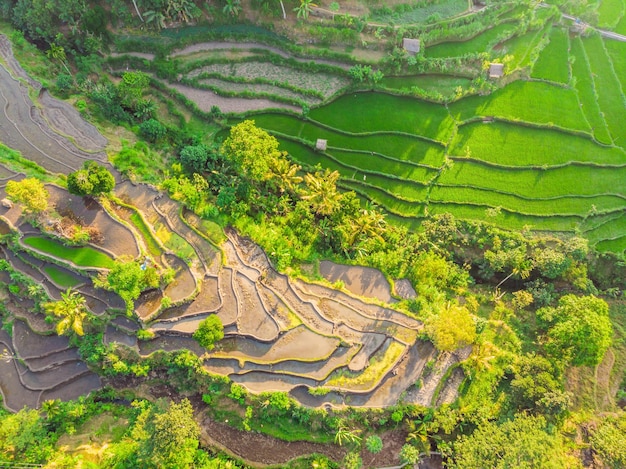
[{"x": 210, "y": 331}]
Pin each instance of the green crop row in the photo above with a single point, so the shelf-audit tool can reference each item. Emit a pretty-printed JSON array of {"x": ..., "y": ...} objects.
[
  {"x": 610, "y": 12},
  {"x": 566, "y": 205},
  {"x": 505, "y": 219},
  {"x": 568, "y": 180},
  {"x": 525, "y": 48},
  {"x": 382, "y": 198},
  {"x": 610, "y": 97},
  {"x": 612, "y": 226},
  {"x": 514, "y": 145},
  {"x": 394, "y": 146},
  {"x": 587, "y": 94},
  {"x": 529, "y": 101},
  {"x": 617, "y": 54},
  {"x": 553, "y": 64},
  {"x": 371, "y": 112},
  {"x": 480, "y": 43}
]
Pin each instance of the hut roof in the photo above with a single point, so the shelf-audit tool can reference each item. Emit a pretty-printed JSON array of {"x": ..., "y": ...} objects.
[
  {"x": 412, "y": 46},
  {"x": 496, "y": 70},
  {"x": 321, "y": 144}
]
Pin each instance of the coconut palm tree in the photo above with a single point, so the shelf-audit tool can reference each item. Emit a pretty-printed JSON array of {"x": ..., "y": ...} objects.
[
  {"x": 57, "y": 52},
  {"x": 286, "y": 174},
  {"x": 232, "y": 8},
  {"x": 73, "y": 311},
  {"x": 304, "y": 9},
  {"x": 322, "y": 192},
  {"x": 155, "y": 17},
  {"x": 370, "y": 223}
]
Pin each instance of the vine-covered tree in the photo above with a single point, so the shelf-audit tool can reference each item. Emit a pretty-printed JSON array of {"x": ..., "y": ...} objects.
[{"x": 452, "y": 328}]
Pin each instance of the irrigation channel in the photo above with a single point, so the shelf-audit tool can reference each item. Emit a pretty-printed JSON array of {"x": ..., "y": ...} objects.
[{"x": 281, "y": 334}]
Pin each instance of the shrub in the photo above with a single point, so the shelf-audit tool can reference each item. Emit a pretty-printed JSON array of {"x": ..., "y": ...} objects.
[{"x": 209, "y": 331}]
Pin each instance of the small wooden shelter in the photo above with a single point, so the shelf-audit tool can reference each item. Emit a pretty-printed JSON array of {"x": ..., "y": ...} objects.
[
  {"x": 412, "y": 46},
  {"x": 321, "y": 144},
  {"x": 496, "y": 70}
]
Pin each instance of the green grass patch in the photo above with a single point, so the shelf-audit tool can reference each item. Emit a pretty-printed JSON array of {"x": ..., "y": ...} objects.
[
  {"x": 621, "y": 26},
  {"x": 515, "y": 145},
  {"x": 174, "y": 242},
  {"x": 375, "y": 112},
  {"x": 61, "y": 277},
  {"x": 443, "y": 84},
  {"x": 566, "y": 205},
  {"x": 153, "y": 246},
  {"x": 552, "y": 63},
  {"x": 528, "y": 101},
  {"x": 422, "y": 13},
  {"x": 13, "y": 160},
  {"x": 617, "y": 245},
  {"x": 587, "y": 95},
  {"x": 605, "y": 227},
  {"x": 610, "y": 97},
  {"x": 610, "y": 12},
  {"x": 397, "y": 146},
  {"x": 568, "y": 180},
  {"x": 481, "y": 43},
  {"x": 81, "y": 256}
]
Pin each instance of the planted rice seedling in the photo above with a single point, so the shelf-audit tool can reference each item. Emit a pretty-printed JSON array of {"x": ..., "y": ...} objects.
[
  {"x": 480, "y": 43},
  {"x": 552, "y": 63},
  {"x": 510, "y": 145}
]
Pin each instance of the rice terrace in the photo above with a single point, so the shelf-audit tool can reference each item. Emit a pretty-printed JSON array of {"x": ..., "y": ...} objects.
[{"x": 286, "y": 234}]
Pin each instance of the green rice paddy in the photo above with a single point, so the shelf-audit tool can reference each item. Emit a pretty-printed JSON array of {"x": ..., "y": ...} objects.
[
  {"x": 444, "y": 84},
  {"x": 553, "y": 64},
  {"x": 62, "y": 277},
  {"x": 482, "y": 42},
  {"x": 81, "y": 256}
]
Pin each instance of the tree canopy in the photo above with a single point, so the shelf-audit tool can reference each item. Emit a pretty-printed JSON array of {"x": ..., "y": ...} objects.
[
  {"x": 579, "y": 330},
  {"x": 92, "y": 179},
  {"x": 30, "y": 193},
  {"x": 452, "y": 328},
  {"x": 209, "y": 331}
]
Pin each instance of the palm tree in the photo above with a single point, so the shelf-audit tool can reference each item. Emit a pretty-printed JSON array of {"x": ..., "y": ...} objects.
[
  {"x": 155, "y": 17},
  {"x": 57, "y": 52},
  {"x": 304, "y": 9},
  {"x": 370, "y": 224},
  {"x": 232, "y": 8},
  {"x": 72, "y": 309},
  {"x": 345, "y": 435},
  {"x": 322, "y": 192},
  {"x": 183, "y": 10},
  {"x": 286, "y": 173}
]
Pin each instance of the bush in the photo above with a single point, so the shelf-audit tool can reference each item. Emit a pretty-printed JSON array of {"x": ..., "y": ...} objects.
[
  {"x": 152, "y": 130},
  {"x": 209, "y": 331}
]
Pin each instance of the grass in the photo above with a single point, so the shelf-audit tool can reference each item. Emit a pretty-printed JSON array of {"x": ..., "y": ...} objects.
[
  {"x": 398, "y": 146},
  {"x": 387, "y": 200},
  {"x": 375, "y": 112},
  {"x": 587, "y": 93},
  {"x": 569, "y": 180},
  {"x": 528, "y": 101},
  {"x": 61, "y": 277},
  {"x": 610, "y": 97},
  {"x": 552, "y": 63},
  {"x": 380, "y": 364},
  {"x": 14, "y": 161},
  {"x": 444, "y": 84},
  {"x": 427, "y": 13},
  {"x": 612, "y": 245},
  {"x": 609, "y": 227},
  {"x": 80, "y": 256},
  {"x": 481, "y": 43},
  {"x": 174, "y": 242},
  {"x": 513, "y": 145}
]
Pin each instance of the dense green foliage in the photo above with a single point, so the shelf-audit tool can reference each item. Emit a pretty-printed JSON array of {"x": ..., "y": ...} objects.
[
  {"x": 92, "y": 179},
  {"x": 210, "y": 331}
]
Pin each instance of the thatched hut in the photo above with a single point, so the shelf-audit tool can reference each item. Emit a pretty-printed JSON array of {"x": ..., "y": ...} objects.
[
  {"x": 496, "y": 70},
  {"x": 321, "y": 144},
  {"x": 411, "y": 46}
]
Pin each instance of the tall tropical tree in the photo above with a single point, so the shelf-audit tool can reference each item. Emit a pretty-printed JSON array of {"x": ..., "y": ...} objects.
[
  {"x": 286, "y": 175},
  {"x": 322, "y": 192},
  {"x": 304, "y": 9},
  {"x": 57, "y": 52},
  {"x": 232, "y": 8},
  {"x": 156, "y": 18},
  {"x": 73, "y": 311}
]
